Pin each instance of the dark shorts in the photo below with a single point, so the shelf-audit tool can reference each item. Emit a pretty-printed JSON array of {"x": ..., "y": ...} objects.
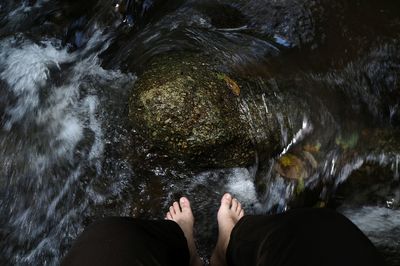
[{"x": 298, "y": 237}]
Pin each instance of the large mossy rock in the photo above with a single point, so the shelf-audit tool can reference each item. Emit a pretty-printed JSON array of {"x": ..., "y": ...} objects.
[{"x": 190, "y": 112}]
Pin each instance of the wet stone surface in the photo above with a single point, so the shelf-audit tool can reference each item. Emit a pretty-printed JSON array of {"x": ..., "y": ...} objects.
[
  {"x": 187, "y": 111},
  {"x": 303, "y": 95}
]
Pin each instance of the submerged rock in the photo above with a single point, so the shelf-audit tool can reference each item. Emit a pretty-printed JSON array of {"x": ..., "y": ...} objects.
[
  {"x": 371, "y": 184},
  {"x": 190, "y": 111},
  {"x": 296, "y": 166}
]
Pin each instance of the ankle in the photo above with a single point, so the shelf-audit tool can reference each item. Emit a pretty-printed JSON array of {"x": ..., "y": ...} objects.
[{"x": 218, "y": 258}]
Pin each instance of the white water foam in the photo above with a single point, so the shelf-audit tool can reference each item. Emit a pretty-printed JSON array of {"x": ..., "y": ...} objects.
[
  {"x": 381, "y": 225},
  {"x": 44, "y": 130},
  {"x": 26, "y": 71},
  {"x": 241, "y": 184}
]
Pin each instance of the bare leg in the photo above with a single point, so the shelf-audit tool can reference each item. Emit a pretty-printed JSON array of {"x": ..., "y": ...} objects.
[
  {"x": 229, "y": 214},
  {"x": 181, "y": 213}
]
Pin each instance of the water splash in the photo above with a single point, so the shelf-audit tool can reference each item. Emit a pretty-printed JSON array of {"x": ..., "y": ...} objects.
[
  {"x": 51, "y": 137},
  {"x": 381, "y": 225}
]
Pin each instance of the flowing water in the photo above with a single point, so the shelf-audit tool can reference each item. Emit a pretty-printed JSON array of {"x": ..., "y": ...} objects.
[{"x": 69, "y": 155}]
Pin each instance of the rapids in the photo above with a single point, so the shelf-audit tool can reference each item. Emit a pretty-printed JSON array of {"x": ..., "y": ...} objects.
[{"x": 67, "y": 149}]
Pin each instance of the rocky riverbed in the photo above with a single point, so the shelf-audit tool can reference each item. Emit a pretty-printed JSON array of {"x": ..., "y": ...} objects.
[{"x": 120, "y": 107}]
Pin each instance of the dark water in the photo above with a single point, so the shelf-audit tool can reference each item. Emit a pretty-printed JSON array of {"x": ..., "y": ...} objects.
[{"x": 68, "y": 154}]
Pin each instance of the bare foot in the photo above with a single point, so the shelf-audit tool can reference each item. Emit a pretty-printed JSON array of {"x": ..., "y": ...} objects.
[
  {"x": 229, "y": 214},
  {"x": 181, "y": 213}
]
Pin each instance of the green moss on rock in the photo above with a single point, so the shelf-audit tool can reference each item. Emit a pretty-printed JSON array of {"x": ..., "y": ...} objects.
[{"x": 184, "y": 109}]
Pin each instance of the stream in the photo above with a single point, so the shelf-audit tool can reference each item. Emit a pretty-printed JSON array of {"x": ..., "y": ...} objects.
[{"x": 69, "y": 154}]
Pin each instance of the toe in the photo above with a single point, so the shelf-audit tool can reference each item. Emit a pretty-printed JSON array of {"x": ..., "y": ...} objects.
[
  {"x": 185, "y": 204},
  {"x": 176, "y": 207},
  {"x": 239, "y": 208},
  {"x": 234, "y": 205},
  {"x": 169, "y": 216},
  {"x": 226, "y": 200},
  {"x": 172, "y": 211},
  {"x": 241, "y": 213}
]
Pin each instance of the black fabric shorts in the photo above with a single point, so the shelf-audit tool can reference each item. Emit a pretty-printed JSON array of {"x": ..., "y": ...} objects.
[
  {"x": 127, "y": 241},
  {"x": 312, "y": 237}
]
